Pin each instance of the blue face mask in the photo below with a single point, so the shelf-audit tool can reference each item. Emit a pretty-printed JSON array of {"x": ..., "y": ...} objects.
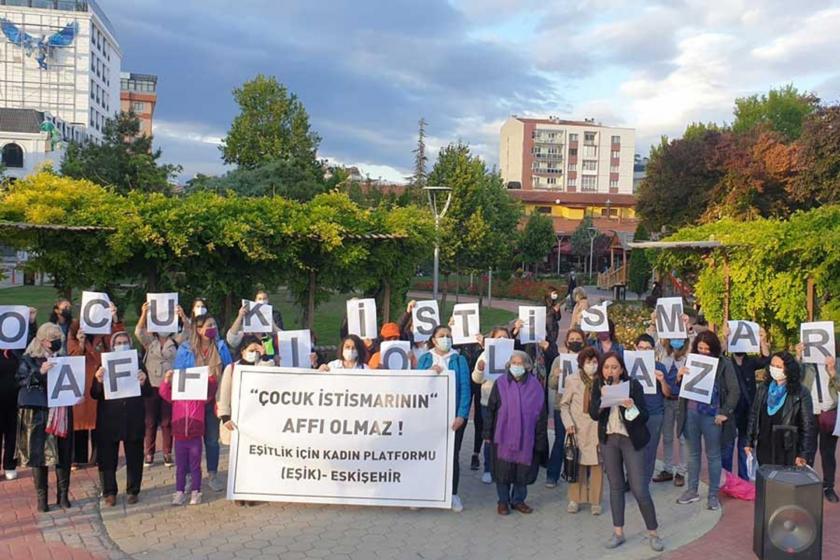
[
  {"x": 677, "y": 344},
  {"x": 517, "y": 371},
  {"x": 444, "y": 343}
]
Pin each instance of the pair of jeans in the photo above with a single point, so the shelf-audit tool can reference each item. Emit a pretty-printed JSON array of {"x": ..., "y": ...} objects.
[
  {"x": 158, "y": 413},
  {"x": 188, "y": 459},
  {"x": 620, "y": 455},
  {"x": 654, "y": 426},
  {"x": 511, "y": 494},
  {"x": 485, "y": 418},
  {"x": 727, "y": 455},
  {"x": 669, "y": 428},
  {"x": 107, "y": 453},
  {"x": 701, "y": 431},
  {"x": 555, "y": 461},
  {"x": 211, "y": 437}
]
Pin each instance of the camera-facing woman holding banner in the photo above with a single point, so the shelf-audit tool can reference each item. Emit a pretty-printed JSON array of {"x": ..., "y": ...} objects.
[
  {"x": 516, "y": 431},
  {"x": 352, "y": 354},
  {"x": 442, "y": 357},
  {"x": 782, "y": 400}
]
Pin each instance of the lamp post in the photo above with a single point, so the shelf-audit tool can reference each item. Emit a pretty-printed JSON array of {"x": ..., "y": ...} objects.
[
  {"x": 593, "y": 233},
  {"x": 434, "y": 194}
]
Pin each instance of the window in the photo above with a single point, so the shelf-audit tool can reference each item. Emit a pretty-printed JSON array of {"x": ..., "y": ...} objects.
[
  {"x": 613, "y": 169},
  {"x": 590, "y": 151},
  {"x": 614, "y": 184},
  {"x": 589, "y": 183},
  {"x": 544, "y": 209},
  {"x": 552, "y": 180},
  {"x": 616, "y": 140},
  {"x": 571, "y": 167},
  {"x": 535, "y": 180},
  {"x": 615, "y": 154},
  {"x": 590, "y": 165},
  {"x": 573, "y": 137},
  {"x": 588, "y": 137},
  {"x": 572, "y": 152},
  {"x": 138, "y": 106},
  {"x": 12, "y": 155},
  {"x": 572, "y": 182}
]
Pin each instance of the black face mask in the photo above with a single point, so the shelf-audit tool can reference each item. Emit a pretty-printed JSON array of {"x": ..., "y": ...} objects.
[
  {"x": 575, "y": 346},
  {"x": 67, "y": 314},
  {"x": 55, "y": 345}
]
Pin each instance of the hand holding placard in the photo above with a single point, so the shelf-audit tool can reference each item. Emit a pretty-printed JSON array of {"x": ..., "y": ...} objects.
[
  {"x": 594, "y": 319},
  {"x": 641, "y": 365},
  {"x": 361, "y": 318},
  {"x": 466, "y": 323},
  {"x": 120, "y": 376},
  {"x": 668, "y": 314},
  {"x": 190, "y": 384},
  {"x": 533, "y": 327},
  {"x": 424, "y": 318},
  {"x": 497, "y": 353},
  {"x": 698, "y": 384},
  {"x": 162, "y": 315}
]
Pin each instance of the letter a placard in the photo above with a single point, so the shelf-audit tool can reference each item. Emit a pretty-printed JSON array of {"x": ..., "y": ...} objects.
[
  {"x": 66, "y": 381},
  {"x": 698, "y": 383},
  {"x": 641, "y": 365}
]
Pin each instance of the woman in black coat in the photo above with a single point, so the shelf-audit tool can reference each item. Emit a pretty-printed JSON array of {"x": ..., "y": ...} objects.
[
  {"x": 44, "y": 435},
  {"x": 120, "y": 420},
  {"x": 623, "y": 434},
  {"x": 782, "y": 401}
]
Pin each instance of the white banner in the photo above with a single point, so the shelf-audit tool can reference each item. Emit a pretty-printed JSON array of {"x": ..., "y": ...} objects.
[
  {"x": 497, "y": 353},
  {"x": 66, "y": 381},
  {"x": 257, "y": 318},
  {"x": 361, "y": 318},
  {"x": 669, "y": 322},
  {"x": 466, "y": 324},
  {"x": 378, "y": 438},
  {"x": 96, "y": 313},
  {"x": 14, "y": 327},
  {"x": 817, "y": 340},
  {"x": 395, "y": 354},
  {"x": 594, "y": 319},
  {"x": 190, "y": 384},
  {"x": 120, "y": 380},
  {"x": 294, "y": 348},
  {"x": 743, "y": 337},
  {"x": 424, "y": 318},
  {"x": 698, "y": 383},
  {"x": 163, "y": 314},
  {"x": 568, "y": 365},
  {"x": 533, "y": 329},
  {"x": 641, "y": 365}
]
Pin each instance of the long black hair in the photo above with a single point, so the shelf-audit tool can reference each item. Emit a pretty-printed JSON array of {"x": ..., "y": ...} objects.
[{"x": 792, "y": 371}]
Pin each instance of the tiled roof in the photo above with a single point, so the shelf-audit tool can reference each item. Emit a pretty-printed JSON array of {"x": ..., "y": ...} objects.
[{"x": 21, "y": 120}]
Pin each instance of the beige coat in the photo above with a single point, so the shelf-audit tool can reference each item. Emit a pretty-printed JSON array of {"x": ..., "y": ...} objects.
[{"x": 573, "y": 414}]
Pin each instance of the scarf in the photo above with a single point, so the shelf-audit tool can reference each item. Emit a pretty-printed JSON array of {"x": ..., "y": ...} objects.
[
  {"x": 587, "y": 390},
  {"x": 776, "y": 396},
  {"x": 516, "y": 423},
  {"x": 57, "y": 424}
]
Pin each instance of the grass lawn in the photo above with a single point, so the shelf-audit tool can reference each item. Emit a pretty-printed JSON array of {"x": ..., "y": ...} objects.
[{"x": 328, "y": 316}]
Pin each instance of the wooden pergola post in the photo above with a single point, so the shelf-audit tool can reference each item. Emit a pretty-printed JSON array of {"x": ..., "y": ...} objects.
[
  {"x": 727, "y": 287},
  {"x": 810, "y": 298}
]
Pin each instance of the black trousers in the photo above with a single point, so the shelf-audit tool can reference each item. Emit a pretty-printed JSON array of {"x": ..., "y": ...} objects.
[
  {"x": 478, "y": 420},
  {"x": 83, "y": 440},
  {"x": 828, "y": 457},
  {"x": 8, "y": 433},
  {"x": 108, "y": 457},
  {"x": 456, "y": 467}
]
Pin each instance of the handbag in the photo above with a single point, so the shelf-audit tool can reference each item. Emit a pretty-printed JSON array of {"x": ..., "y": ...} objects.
[
  {"x": 571, "y": 459},
  {"x": 826, "y": 421}
]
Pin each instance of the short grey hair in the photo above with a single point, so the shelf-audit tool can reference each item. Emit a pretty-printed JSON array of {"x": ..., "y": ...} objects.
[
  {"x": 526, "y": 359},
  {"x": 579, "y": 293}
]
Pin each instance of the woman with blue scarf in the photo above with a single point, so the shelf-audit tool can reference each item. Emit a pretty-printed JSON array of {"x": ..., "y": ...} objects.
[{"x": 782, "y": 401}]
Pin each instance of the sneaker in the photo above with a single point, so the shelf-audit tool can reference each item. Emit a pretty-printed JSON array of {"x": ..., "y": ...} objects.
[
  {"x": 474, "y": 464},
  {"x": 215, "y": 483},
  {"x": 713, "y": 503},
  {"x": 679, "y": 480},
  {"x": 148, "y": 461},
  {"x": 457, "y": 506},
  {"x": 167, "y": 460},
  {"x": 13, "y": 474},
  {"x": 195, "y": 498},
  {"x": 596, "y": 509},
  {"x": 551, "y": 484},
  {"x": 663, "y": 476},
  {"x": 178, "y": 499},
  {"x": 573, "y": 507},
  {"x": 615, "y": 541},
  {"x": 688, "y": 497},
  {"x": 487, "y": 478},
  {"x": 656, "y": 543},
  {"x": 829, "y": 493}
]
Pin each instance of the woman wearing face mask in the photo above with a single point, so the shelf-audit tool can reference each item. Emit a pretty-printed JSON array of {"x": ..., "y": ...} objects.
[
  {"x": 655, "y": 404},
  {"x": 673, "y": 355},
  {"x": 91, "y": 346},
  {"x": 206, "y": 348},
  {"x": 199, "y": 308},
  {"x": 623, "y": 433},
  {"x": 120, "y": 420},
  {"x": 708, "y": 423},
  {"x": 516, "y": 431},
  {"x": 62, "y": 315},
  {"x": 573, "y": 344},
  {"x": 485, "y": 384},
  {"x": 606, "y": 342},
  {"x": 352, "y": 354},
  {"x": 158, "y": 357},
  {"x": 574, "y": 410},
  {"x": 782, "y": 401},
  {"x": 44, "y": 435},
  {"x": 553, "y": 314},
  {"x": 442, "y": 357}
]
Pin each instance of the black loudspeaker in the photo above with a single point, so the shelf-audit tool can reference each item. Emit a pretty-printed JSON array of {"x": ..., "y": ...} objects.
[{"x": 788, "y": 513}]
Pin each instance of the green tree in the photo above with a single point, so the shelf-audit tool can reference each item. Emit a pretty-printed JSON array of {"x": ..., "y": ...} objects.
[
  {"x": 272, "y": 124},
  {"x": 640, "y": 267},
  {"x": 124, "y": 159},
  {"x": 418, "y": 180},
  {"x": 277, "y": 177},
  {"x": 783, "y": 110},
  {"x": 536, "y": 239}
]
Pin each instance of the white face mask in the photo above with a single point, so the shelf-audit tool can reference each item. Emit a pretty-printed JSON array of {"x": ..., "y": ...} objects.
[
  {"x": 199, "y": 311},
  {"x": 444, "y": 343},
  {"x": 122, "y": 347},
  {"x": 590, "y": 368},
  {"x": 251, "y": 357},
  {"x": 517, "y": 371},
  {"x": 777, "y": 373},
  {"x": 263, "y": 301},
  {"x": 349, "y": 354}
]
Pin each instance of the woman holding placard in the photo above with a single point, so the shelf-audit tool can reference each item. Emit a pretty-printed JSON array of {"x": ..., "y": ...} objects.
[
  {"x": 707, "y": 425},
  {"x": 440, "y": 358},
  {"x": 517, "y": 432},
  {"x": 581, "y": 305},
  {"x": 782, "y": 401},
  {"x": 44, "y": 435},
  {"x": 825, "y": 415},
  {"x": 352, "y": 354},
  {"x": 120, "y": 420},
  {"x": 573, "y": 408},
  {"x": 206, "y": 348},
  {"x": 623, "y": 434}
]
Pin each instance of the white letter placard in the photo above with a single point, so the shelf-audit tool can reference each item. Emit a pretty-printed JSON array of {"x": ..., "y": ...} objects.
[
  {"x": 66, "y": 381},
  {"x": 96, "y": 313},
  {"x": 466, "y": 325},
  {"x": 395, "y": 354},
  {"x": 817, "y": 340},
  {"x": 190, "y": 384},
  {"x": 698, "y": 383},
  {"x": 163, "y": 315},
  {"x": 257, "y": 318},
  {"x": 641, "y": 365},
  {"x": 295, "y": 348},
  {"x": 14, "y": 327},
  {"x": 594, "y": 319},
  {"x": 743, "y": 337},
  {"x": 120, "y": 379},
  {"x": 669, "y": 323},
  {"x": 424, "y": 318},
  {"x": 533, "y": 329},
  {"x": 497, "y": 353},
  {"x": 361, "y": 318}
]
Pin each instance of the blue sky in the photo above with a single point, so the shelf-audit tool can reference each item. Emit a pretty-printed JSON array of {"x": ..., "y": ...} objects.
[{"x": 368, "y": 70}]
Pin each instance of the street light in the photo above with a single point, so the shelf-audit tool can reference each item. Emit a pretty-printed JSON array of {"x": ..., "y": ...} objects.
[
  {"x": 434, "y": 193},
  {"x": 593, "y": 233}
]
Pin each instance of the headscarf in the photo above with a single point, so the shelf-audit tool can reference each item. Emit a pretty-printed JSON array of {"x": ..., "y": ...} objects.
[
  {"x": 114, "y": 337},
  {"x": 47, "y": 331}
]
